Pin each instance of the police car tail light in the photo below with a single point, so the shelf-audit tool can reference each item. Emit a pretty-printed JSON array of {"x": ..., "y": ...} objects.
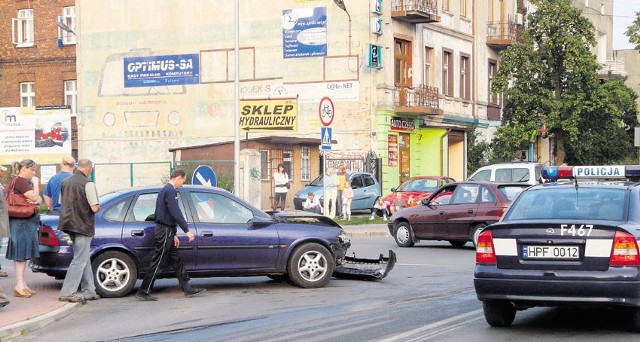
[
  {"x": 624, "y": 251},
  {"x": 47, "y": 237},
  {"x": 485, "y": 253}
]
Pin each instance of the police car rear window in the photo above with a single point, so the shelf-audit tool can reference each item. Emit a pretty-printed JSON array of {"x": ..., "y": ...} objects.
[{"x": 569, "y": 203}]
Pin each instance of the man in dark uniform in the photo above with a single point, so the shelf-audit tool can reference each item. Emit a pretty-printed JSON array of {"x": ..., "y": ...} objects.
[{"x": 168, "y": 216}]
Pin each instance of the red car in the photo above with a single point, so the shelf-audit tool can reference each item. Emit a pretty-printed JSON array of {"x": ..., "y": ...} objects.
[
  {"x": 457, "y": 213},
  {"x": 420, "y": 187}
]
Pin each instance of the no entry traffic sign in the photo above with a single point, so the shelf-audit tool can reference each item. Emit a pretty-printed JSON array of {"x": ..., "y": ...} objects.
[{"x": 326, "y": 111}]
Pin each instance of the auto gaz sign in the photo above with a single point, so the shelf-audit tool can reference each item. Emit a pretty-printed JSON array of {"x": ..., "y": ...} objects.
[{"x": 269, "y": 115}]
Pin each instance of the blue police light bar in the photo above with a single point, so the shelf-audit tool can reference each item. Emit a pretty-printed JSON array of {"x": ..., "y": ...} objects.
[{"x": 602, "y": 172}]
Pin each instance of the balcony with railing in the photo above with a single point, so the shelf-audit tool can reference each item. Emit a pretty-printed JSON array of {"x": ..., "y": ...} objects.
[
  {"x": 504, "y": 33},
  {"x": 415, "y": 11},
  {"x": 612, "y": 68},
  {"x": 418, "y": 100}
]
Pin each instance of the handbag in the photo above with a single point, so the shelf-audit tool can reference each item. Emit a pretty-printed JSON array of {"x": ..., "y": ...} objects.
[
  {"x": 18, "y": 205},
  {"x": 288, "y": 185}
]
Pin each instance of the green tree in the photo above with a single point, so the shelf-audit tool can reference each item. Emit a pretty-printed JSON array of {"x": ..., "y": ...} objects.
[
  {"x": 551, "y": 75},
  {"x": 633, "y": 32},
  {"x": 477, "y": 152}
]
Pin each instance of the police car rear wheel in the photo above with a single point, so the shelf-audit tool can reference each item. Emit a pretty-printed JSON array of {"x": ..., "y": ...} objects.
[{"x": 499, "y": 314}]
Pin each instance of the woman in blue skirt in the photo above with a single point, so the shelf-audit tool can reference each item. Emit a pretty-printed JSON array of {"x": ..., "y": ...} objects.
[{"x": 23, "y": 232}]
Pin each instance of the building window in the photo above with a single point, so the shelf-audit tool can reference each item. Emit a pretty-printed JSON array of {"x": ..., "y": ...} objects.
[
  {"x": 493, "y": 69},
  {"x": 465, "y": 77},
  {"x": 68, "y": 18},
  {"x": 428, "y": 58},
  {"x": 22, "y": 27},
  {"x": 447, "y": 72},
  {"x": 463, "y": 8},
  {"x": 287, "y": 161},
  {"x": 27, "y": 94},
  {"x": 264, "y": 165},
  {"x": 305, "y": 165},
  {"x": 71, "y": 95},
  {"x": 402, "y": 58},
  {"x": 445, "y": 5}
]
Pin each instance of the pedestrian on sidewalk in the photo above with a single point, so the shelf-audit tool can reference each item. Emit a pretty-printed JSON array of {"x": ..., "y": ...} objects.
[
  {"x": 79, "y": 203},
  {"x": 4, "y": 216},
  {"x": 342, "y": 179},
  {"x": 167, "y": 217},
  {"x": 312, "y": 204},
  {"x": 347, "y": 198},
  {"x": 52, "y": 190},
  {"x": 23, "y": 232},
  {"x": 331, "y": 193},
  {"x": 379, "y": 209},
  {"x": 281, "y": 187}
]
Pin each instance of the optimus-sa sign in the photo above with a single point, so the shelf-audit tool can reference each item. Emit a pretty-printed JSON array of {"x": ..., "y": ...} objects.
[{"x": 163, "y": 70}]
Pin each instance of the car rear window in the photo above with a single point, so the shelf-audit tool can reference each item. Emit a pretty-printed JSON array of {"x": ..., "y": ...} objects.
[
  {"x": 510, "y": 192},
  {"x": 426, "y": 185},
  {"x": 569, "y": 203}
]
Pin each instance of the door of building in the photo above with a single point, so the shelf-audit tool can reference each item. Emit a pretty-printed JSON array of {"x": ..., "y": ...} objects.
[{"x": 404, "y": 147}]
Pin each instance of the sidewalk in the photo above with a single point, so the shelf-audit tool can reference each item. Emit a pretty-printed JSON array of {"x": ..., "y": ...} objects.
[{"x": 24, "y": 315}]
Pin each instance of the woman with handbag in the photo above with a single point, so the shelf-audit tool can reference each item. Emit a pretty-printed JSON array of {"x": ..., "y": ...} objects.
[
  {"x": 281, "y": 181},
  {"x": 23, "y": 200}
]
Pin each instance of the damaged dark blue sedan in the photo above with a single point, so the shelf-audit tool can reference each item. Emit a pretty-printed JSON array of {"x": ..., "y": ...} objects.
[{"x": 233, "y": 238}]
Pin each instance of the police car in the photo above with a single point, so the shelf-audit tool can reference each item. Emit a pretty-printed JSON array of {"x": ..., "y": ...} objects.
[{"x": 564, "y": 244}]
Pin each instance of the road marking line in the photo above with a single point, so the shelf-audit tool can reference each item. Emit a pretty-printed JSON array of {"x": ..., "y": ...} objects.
[{"x": 405, "y": 336}]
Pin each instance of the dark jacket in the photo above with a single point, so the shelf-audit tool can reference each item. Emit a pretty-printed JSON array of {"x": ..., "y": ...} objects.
[
  {"x": 167, "y": 210},
  {"x": 76, "y": 215}
]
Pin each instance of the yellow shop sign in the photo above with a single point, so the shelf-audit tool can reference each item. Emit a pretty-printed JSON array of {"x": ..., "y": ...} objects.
[{"x": 269, "y": 115}]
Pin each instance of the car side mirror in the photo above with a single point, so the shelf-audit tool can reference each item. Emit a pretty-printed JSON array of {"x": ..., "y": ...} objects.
[
  {"x": 393, "y": 189},
  {"x": 150, "y": 218},
  {"x": 260, "y": 222},
  {"x": 425, "y": 201}
]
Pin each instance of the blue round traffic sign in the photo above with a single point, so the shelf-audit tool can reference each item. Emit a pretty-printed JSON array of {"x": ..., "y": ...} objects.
[{"x": 204, "y": 175}]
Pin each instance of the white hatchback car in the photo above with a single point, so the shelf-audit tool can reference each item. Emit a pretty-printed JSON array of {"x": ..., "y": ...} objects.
[{"x": 523, "y": 172}]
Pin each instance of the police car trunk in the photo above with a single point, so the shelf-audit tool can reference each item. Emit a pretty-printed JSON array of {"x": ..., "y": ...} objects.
[{"x": 565, "y": 243}]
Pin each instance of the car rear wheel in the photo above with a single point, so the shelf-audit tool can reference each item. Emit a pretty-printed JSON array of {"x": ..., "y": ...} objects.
[
  {"x": 499, "y": 314},
  {"x": 310, "y": 266},
  {"x": 457, "y": 243},
  {"x": 115, "y": 274},
  {"x": 475, "y": 232},
  {"x": 634, "y": 319},
  {"x": 404, "y": 235}
]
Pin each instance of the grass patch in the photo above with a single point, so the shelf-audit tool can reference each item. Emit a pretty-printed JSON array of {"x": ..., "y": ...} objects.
[{"x": 358, "y": 220}]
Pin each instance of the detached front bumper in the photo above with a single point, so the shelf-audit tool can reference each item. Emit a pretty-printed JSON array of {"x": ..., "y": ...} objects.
[{"x": 365, "y": 269}]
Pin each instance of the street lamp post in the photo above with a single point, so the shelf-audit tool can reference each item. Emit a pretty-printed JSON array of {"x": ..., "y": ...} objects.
[{"x": 236, "y": 104}]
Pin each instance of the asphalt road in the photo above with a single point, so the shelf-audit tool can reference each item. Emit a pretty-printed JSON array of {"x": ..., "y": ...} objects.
[{"x": 428, "y": 296}]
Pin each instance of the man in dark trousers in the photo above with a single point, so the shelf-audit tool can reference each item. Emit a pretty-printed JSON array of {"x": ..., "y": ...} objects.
[
  {"x": 79, "y": 203},
  {"x": 168, "y": 216}
]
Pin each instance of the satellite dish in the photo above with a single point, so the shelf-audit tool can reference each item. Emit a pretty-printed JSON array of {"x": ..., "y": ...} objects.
[{"x": 64, "y": 27}]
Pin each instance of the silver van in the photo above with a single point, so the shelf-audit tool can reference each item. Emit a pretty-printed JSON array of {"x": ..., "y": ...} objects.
[{"x": 509, "y": 173}]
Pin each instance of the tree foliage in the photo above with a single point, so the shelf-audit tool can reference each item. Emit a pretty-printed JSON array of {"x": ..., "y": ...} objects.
[
  {"x": 551, "y": 75},
  {"x": 477, "y": 152},
  {"x": 633, "y": 32}
]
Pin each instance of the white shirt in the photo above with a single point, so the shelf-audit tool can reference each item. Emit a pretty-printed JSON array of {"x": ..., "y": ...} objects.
[{"x": 280, "y": 180}]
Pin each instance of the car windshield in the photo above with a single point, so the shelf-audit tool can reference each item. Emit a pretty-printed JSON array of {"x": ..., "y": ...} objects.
[
  {"x": 317, "y": 181},
  {"x": 510, "y": 192},
  {"x": 423, "y": 185},
  {"x": 569, "y": 203}
]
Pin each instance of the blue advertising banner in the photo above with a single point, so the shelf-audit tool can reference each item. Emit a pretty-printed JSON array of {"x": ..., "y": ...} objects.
[
  {"x": 152, "y": 71},
  {"x": 304, "y": 32}
]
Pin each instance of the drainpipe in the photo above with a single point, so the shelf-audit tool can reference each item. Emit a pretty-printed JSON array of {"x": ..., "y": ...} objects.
[{"x": 442, "y": 152}]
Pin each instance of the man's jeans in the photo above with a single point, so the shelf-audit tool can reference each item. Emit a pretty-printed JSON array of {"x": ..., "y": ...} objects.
[{"x": 79, "y": 272}]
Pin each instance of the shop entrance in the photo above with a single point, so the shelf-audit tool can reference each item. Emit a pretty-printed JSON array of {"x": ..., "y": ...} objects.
[{"x": 404, "y": 148}]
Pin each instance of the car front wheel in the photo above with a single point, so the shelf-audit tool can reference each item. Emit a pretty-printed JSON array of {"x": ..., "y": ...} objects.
[
  {"x": 404, "y": 235},
  {"x": 499, "y": 314},
  {"x": 310, "y": 266},
  {"x": 115, "y": 274}
]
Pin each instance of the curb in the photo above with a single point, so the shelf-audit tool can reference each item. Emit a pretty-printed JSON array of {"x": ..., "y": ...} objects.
[
  {"x": 25, "y": 327},
  {"x": 368, "y": 234}
]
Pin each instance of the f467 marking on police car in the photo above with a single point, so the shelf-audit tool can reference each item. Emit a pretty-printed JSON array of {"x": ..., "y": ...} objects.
[{"x": 570, "y": 229}]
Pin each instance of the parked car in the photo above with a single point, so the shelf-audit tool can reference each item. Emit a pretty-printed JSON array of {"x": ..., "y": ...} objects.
[
  {"x": 365, "y": 191},
  {"x": 565, "y": 245},
  {"x": 232, "y": 239},
  {"x": 524, "y": 172},
  {"x": 457, "y": 213},
  {"x": 420, "y": 187}
]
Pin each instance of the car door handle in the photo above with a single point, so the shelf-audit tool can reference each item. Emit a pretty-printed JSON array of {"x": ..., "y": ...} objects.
[
  {"x": 137, "y": 233},
  {"x": 470, "y": 211},
  {"x": 442, "y": 213},
  {"x": 207, "y": 234}
]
